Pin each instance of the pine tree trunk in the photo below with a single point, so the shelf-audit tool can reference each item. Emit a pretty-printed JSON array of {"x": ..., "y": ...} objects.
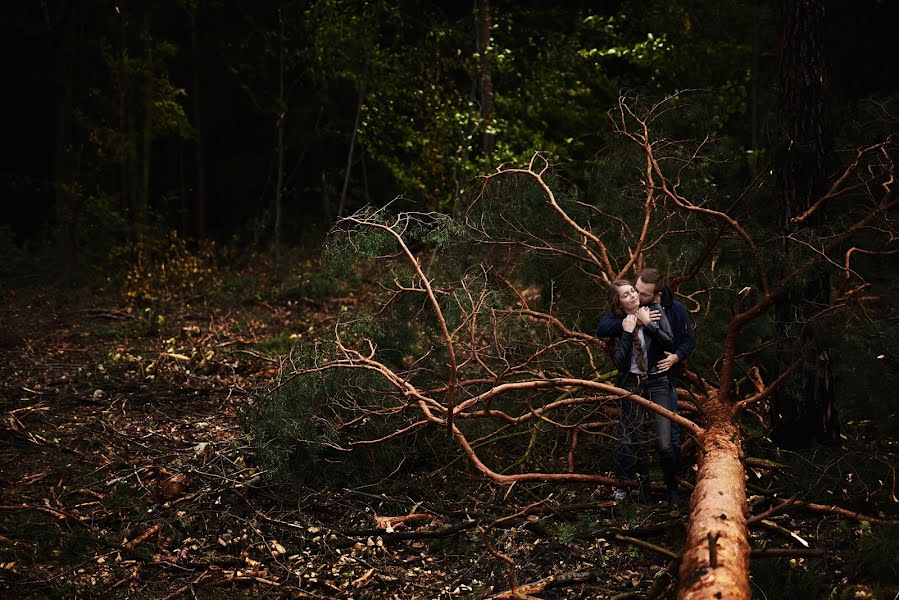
[
  {"x": 341, "y": 206},
  {"x": 143, "y": 199},
  {"x": 199, "y": 151},
  {"x": 66, "y": 200},
  {"x": 279, "y": 149},
  {"x": 804, "y": 410},
  {"x": 124, "y": 182},
  {"x": 488, "y": 103}
]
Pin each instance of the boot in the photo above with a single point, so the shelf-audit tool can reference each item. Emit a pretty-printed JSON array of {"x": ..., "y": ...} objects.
[{"x": 669, "y": 470}]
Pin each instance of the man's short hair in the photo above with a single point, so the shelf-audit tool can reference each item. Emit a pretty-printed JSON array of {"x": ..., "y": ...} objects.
[{"x": 652, "y": 276}]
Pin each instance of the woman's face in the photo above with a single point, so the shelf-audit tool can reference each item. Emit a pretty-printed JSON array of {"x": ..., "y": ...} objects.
[{"x": 628, "y": 297}]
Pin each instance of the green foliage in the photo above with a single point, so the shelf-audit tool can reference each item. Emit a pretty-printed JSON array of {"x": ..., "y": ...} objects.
[
  {"x": 867, "y": 377},
  {"x": 136, "y": 78},
  {"x": 780, "y": 578},
  {"x": 12, "y": 257},
  {"x": 303, "y": 431},
  {"x": 167, "y": 271},
  {"x": 102, "y": 233},
  {"x": 279, "y": 345},
  {"x": 300, "y": 427},
  {"x": 585, "y": 527},
  {"x": 344, "y": 251},
  {"x": 875, "y": 556}
]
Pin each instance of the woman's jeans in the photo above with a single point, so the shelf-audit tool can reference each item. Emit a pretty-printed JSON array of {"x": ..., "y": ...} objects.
[{"x": 640, "y": 429}]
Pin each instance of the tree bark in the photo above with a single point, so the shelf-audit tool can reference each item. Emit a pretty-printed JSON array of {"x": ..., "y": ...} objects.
[
  {"x": 804, "y": 409},
  {"x": 143, "y": 199},
  {"x": 279, "y": 150},
  {"x": 349, "y": 158},
  {"x": 715, "y": 562},
  {"x": 66, "y": 198},
  {"x": 124, "y": 181},
  {"x": 488, "y": 104},
  {"x": 199, "y": 151}
]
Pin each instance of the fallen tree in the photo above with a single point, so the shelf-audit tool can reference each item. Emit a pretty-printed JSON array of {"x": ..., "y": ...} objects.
[{"x": 481, "y": 327}]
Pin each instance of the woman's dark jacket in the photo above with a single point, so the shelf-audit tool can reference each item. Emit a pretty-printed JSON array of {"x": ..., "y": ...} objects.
[
  {"x": 681, "y": 329},
  {"x": 658, "y": 340}
]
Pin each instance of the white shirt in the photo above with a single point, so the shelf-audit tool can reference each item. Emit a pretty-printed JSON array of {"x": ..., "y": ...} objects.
[{"x": 634, "y": 367}]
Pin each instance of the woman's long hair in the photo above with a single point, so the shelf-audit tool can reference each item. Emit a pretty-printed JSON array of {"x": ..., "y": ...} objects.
[
  {"x": 618, "y": 311},
  {"x": 614, "y": 300}
]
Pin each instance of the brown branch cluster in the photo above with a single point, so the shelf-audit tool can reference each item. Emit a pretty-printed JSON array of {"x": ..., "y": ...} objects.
[{"x": 500, "y": 351}]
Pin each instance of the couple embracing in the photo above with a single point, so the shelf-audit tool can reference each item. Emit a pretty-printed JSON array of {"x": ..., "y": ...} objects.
[{"x": 651, "y": 334}]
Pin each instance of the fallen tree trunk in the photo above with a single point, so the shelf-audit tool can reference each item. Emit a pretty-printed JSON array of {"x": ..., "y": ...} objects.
[{"x": 715, "y": 562}]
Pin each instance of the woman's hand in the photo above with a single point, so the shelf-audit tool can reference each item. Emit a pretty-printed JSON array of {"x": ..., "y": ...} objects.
[
  {"x": 643, "y": 314},
  {"x": 629, "y": 323}
]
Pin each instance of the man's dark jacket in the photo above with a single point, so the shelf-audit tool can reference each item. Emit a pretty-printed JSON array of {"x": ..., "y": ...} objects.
[
  {"x": 679, "y": 320},
  {"x": 657, "y": 338}
]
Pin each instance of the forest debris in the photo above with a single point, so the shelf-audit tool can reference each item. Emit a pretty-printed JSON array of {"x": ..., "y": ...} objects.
[
  {"x": 203, "y": 452},
  {"x": 278, "y": 549},
  {"x": 780, "y": 552},
  {"x": 364, "y": 579},
  {"x": 143, "y": 537},
  {"x": 391, "y": 523},
  {"x": 174, "y": 486},
  {"x": 783, "y": 531},
  {"x": 772, "y": 511},
  {"x": 92, "y": 493},
  {"x": 551, "y": 582},
  {"x": 645, "y": 545},
  {"x": 13, "y": 542},
  {"x": 830, "y": 508}
]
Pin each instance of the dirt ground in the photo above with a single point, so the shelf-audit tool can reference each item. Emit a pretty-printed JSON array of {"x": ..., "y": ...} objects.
[{"x": 126, "y": 473}]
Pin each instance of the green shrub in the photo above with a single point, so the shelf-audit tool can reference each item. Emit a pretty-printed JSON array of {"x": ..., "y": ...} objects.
[
  {"x": 305, "y": 429},
  {"x": 782, "y": 578}
]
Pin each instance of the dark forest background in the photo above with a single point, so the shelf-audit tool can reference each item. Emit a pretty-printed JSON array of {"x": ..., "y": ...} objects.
[{"x": 258, "y": 124}]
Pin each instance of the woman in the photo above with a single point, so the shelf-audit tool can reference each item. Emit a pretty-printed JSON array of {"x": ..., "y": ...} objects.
[{"x": 636, "y": 353}]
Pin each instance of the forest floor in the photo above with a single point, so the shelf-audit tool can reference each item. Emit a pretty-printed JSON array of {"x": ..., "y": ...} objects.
[{"x": 126, "y": 473}]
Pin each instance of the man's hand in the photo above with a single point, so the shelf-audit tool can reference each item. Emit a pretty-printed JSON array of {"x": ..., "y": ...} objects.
[
  {"x": 629, "y": 323},
  {"x": 643, "y": 315},
  {"x": 666, "y": 363},
  {"x": 655, "y": 315}
]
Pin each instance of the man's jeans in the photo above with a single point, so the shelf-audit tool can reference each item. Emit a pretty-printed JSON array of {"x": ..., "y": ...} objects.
[
  {"x": 639, "y": 428},
  {"x": 675, "y": 428}
]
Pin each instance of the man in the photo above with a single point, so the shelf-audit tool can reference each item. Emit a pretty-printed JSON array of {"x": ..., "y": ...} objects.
[{"x": 651, "y": 288}]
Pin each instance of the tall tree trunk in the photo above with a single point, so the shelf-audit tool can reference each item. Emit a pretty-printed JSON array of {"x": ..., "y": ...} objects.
[
  {"x": 199, "y": 151},
  {"x": 124, "y": 182},
  {"x": 754, "y": 90},
  {"x": 349, "y": 158},
  {"x": 66, "y": 200},
  {"x": 143, "y": 199},
  {"x": 804, "y": 409},
  {"x": 279, "y": 162},
  {"x": 182, "y": 182},
  {"x": 488, "y": 104}
]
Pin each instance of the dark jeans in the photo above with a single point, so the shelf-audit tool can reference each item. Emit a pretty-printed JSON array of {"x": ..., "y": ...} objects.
[
  {"x": 675, "y": 428},
  {"x": 640, "y": 429}
]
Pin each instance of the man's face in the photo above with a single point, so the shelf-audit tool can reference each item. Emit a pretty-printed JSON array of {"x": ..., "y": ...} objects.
[{"x": 646, "y": 291}]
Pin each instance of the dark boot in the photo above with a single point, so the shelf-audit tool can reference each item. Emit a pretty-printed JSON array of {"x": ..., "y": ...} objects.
[{"x": 669, "y": 470}]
